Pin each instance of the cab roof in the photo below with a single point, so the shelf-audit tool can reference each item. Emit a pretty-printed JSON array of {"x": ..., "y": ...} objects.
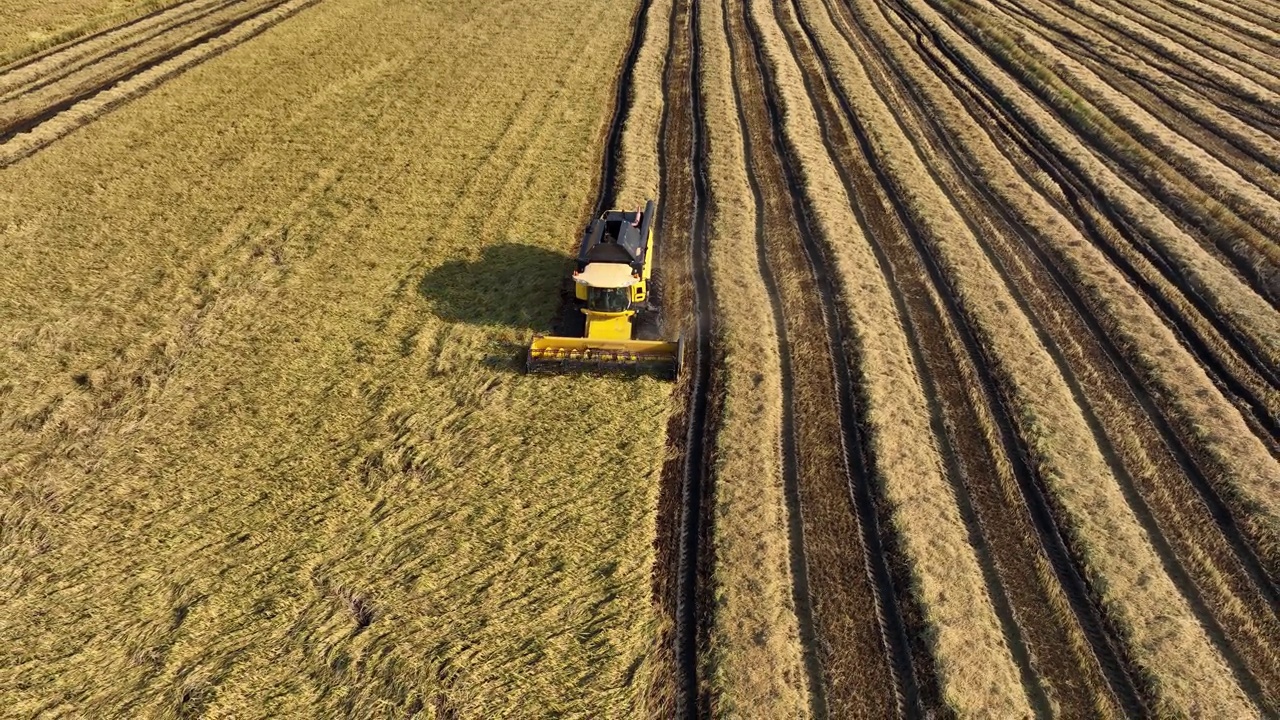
[{"x": 618, "y": 236}]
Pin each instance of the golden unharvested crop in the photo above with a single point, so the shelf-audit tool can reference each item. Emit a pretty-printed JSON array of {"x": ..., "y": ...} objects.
[{"x": 266, "y": 448}]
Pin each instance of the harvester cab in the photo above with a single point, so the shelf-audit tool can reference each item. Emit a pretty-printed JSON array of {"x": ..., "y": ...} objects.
[{"x": 613, "y": 279}]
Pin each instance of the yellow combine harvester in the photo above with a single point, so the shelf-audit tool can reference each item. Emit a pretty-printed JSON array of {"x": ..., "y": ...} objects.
[{"x": 613, "y": 293}]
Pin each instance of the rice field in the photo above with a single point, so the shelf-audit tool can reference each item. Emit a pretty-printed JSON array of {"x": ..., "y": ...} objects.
[{"x": 981, "y": 405}]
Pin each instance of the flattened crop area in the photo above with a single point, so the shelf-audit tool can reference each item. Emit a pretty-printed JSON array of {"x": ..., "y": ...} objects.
[
  {"x": 265, "y": 446},
  {"x": 980, "y": 415}
]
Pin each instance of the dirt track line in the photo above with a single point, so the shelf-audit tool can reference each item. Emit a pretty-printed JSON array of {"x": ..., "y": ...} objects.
[
  {"x": 790, "y": 464},
  {"x": 1079, "y": 197},
  {"x": 1194, "y": 590},
  {"x": 36, "y": 131},
  {"x": 1222, "y": 85},
  {"x": 689, "y": 470},
  {"x": 676, "y": 682},
  {"x": 1186, "y": 51},
  {"x": 954, "y": 423},
  {"x": 1099, "y": 630},
  {"x": 698, "y": 461},
  {"x": 911, "y": 668},
  {"x": 53, "y": 68},
  {"x": 1255, "y": 155},
  {"x": 1187, "y": 171},
  {"x": 682, "y": 541},
  {"x": 1083, "y": 205},
  {"x": 990, "y": 517}
]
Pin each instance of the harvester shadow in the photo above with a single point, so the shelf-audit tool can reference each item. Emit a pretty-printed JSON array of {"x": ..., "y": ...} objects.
[
  {"x": 510, "y": 285},
  {"x": 506, "y": 284}
]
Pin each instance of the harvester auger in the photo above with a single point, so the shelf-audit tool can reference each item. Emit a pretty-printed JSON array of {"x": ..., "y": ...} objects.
[{"x": 612, "y": 287}]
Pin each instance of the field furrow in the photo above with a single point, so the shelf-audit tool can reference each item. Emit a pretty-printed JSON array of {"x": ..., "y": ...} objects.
[
  {"x": 1064, "y": 482},
  {"x": 29, "y": 31},
  {"x": 1232, "y": 582},
  {"x": 1176, "y": 257},
  {"x": 76, "y": 85},
  {"x": 48, "y": 67},
  {"x": 763, "y": 654},
  {"x": 916, "y": 394}
]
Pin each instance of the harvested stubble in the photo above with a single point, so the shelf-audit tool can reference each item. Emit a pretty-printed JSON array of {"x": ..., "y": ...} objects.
[
  {"x": 944, "y": 569},
  {"x": 757, "y": 669},
  {"x": 265, "y": 447},
  {"x": 1164, "y": 481},
  {"x": 1235, "y": 214},
  {"x": 1239, "y": 463},
  {"x": 856, "y": 672},
  {"x": 1171, "y": 647}
]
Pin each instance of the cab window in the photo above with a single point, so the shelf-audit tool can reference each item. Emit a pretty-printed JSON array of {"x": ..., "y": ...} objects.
[{"x": 607, "y": 299}]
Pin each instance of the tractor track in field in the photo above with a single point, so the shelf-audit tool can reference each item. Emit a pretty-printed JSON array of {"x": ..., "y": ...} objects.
[
  {"x": 683, "y": 548},
  {"x": 1162, "y": 190},
  {"x": 854, "y": 563},
  {"x": 1228, "y": 357},
  {"x": 682, "y": 544},
  {"x": 1208, "y": 231},
  {"x": 1142, "y": 83},
  {"x": 1180, "y": 507},
  {"x": 1040, "y": 518},
  {"x": 1189, "y": 74},
  {"x": 45, "y": 98},
  {"x": 683, "y": 588}
]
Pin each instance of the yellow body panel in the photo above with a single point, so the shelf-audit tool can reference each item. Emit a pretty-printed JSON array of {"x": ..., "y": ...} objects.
[{"x": 608, "y": 326}]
